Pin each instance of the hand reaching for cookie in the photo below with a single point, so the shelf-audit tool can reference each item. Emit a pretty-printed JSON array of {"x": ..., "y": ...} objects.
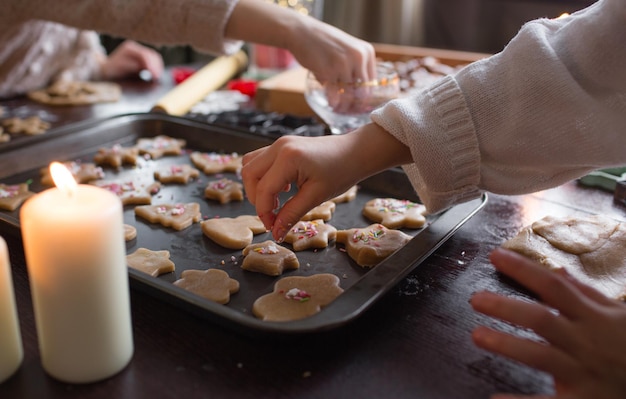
[
  {"x": 584, "y": 337},
  {"x": 130, "y": 58}
]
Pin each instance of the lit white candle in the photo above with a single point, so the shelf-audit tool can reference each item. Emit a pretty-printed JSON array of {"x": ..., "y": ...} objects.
[
  {"x": 11, "y": 352},
  {"x": 75, "y": 255}
]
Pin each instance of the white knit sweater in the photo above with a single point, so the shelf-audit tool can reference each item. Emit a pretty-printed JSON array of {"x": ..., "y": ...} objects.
[
  {"x": 549, "y": 108},
  {"x": 37, "y": 43}
]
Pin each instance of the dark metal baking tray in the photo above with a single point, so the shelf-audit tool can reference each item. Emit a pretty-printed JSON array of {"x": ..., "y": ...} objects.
[{"x": 190, "y": 249}]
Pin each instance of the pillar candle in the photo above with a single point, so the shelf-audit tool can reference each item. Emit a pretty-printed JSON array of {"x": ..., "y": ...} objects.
[
  {"x": 75, "y": 256},
  {"x": 11, "y": 352}
]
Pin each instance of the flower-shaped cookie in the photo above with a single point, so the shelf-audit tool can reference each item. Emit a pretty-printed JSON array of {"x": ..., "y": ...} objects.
[
  {"x": 153, "y": 263},
  {"x": 12, "y": 195},
  {"x": 224, "y": 190},
  {"x": 176, "y": 174},
  {"x": 233, "y": 233},
  {"x": 116, "y": 156},
  {"x": 268, "y": 258},
  {"x": 310, "y": 234},
  {"x": 176, "y": 216},
  {"x": 297, "y": 297},
  {"x": 323, "y": 211},
  {"x": 131, "y": 192},
  {"x": 394, "y": 213},
  {"x": 370, "y": 245},
  {"x": 212, "y": 284},
  {"x": 82, "y": 172},
  {"x": 212, "y": 162},
  {"x": 159, "y": 146}
]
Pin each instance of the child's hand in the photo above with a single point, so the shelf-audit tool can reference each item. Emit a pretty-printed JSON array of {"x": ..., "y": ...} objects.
[{"x": 129, "y": 58}]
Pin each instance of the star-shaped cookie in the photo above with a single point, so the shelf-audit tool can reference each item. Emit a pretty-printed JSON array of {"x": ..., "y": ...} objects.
[
  {"x": 116, "y": 156},
  {"x": 153, "y": 263},
  {"x": 297, "y": 297},
  {"x": 159, "y": 146},
  {"x": 212, "y": 284},
  {"x": 213, "y": 162},
  {"x": 323, "y": 211},
  {"x": 82, "y": 172},
  {"x": 268, "y": 258},
  {"x": 310, "y": 234},
  {"x": 13, "y": 195},
  {"x": 224, "y": 190},
  {"x": 176, "y": 174},
  {"x": 394, "y": 213},
  {"x": 370, "y": 245},
  {"x": 233, "y": 233},
  {"x": 131, "y": 192},
  {"x": 176, "y": 216}
]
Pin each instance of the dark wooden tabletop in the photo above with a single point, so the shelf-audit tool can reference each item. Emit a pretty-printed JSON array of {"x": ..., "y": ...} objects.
[{"x": 413, "y": 343}]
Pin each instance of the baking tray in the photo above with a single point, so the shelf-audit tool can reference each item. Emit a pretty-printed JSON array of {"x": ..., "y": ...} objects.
[{"x": 190, "y": 249}]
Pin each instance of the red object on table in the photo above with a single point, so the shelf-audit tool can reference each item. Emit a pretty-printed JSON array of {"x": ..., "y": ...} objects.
[
  {"x": 245, "y": 86},
  {"x": 180, "y": 74}
]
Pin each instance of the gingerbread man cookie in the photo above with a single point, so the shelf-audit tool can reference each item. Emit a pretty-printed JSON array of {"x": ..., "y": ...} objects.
[
  {"x": 212, "y": 162},
  {"x": 310, "y": 234},
  {"x": 131, "y": 192},
  {"x": 233, "y": 233},
  {"x": 82, "y": 172},
  {"x": 268, "y": 258},
  {"x": 177, "y": 216},
  {"x": 348, "y": 196},
  {"x": 212, "y": 284},
  {"x": 224, "y": 190},
  {"x": 13, "y": 195},
  {"x": 32, "y": 126},
  {"x": 297, "y": 297},
  {"x": 116, "y": 156},
  {"x": 160, "y": 146},
  {"x": 176, "y": 174},
  {"x": 77, "y": 93},
  {"x": 150, "y": 262},
  {"x": 323, "y": 211},
  {"x": 370, "y": 245},
  {"x": 394, "y": 213}
]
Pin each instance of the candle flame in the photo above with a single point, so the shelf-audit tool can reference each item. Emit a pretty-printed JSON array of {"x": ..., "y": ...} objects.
[{"x": 63, "y": 178}]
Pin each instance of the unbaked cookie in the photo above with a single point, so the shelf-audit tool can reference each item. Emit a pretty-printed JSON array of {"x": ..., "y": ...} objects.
[
  {"x": 32, "y": 126},
  {"x": 394, "y": 213},
  {"x": 77, "y": 93},
  {"x": 13, "y": 195},
  {"x": 116, "y": 156},
  {"x": 150, "y": 262},
  {"x": 212, "y": 284},
  {"x": 159, "y": 146},
  {"x": 310, "y": 234},
  {"x": 370, "y": 245},
  {"x": 323, "y": 211},
  {"x": 297, "y": 297},
  {"x": 130, "y": 232},
  {"x": 268, "y": 258},
  {"x": 180, "y": 174},
  {"x": 131, "y": 192},
  {"x": 347, "y": 196},
  {"x": 213, "y": 162},
  {"x": 177, "y": 216},
  {"x": 82, "y": 172},
  {"x": 224, "y": 190},
  {"x": 233, "y": 233}
]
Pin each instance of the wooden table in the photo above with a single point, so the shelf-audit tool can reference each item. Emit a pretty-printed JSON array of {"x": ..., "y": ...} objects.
[{"x": 414, "y": 343}]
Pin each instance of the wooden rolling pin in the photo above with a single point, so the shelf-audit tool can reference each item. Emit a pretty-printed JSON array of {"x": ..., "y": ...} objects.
[{"x": 210, "y": 77}]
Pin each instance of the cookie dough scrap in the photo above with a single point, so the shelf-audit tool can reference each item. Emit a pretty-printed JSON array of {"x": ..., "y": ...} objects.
[
  {"x": 297, "y": 297},
  {"x": 371, "y": 245},
  {"x": 130, "y": 232},
  {"x": 82, "y": 172},
  {"x": 116, "y": 156},
  {"x": 180, "y": 174},
  {"x": 269, "y": 258},
  {"x": 176, "y": 216},
  {"x": 394, "y": 213},
  {"x": 212, "y": 284},
  {"x": 212, "y": 162},
  {"x": 310, "y": 234},
  {"x": 323, "y": 211},
  {"x": 348, "y": 196},
  {"x": 589, "y": 248},
  {"x": 159, "y": 146},
  {"x": 150, "y": 262},
  {"x": 224, "y": 191},
  {"x": 77, "y": 93},
  {"x": 13, "y": 195},
  {"x": 233, "y": 233},
  {"x": 32, "y": 126},
  {"x": 131, "y": 192}
]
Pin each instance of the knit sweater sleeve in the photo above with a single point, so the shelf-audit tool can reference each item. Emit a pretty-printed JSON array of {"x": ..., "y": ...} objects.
[{"x": 548, "y": 108}]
